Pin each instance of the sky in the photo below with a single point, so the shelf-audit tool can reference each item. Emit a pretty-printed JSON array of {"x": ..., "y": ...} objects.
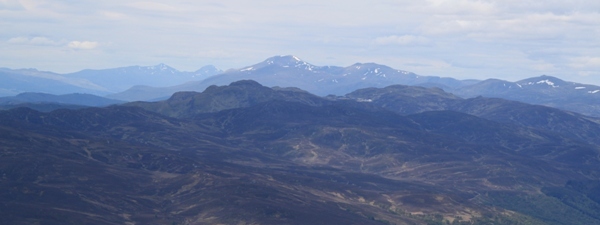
[{"x": 464, "y": 39}]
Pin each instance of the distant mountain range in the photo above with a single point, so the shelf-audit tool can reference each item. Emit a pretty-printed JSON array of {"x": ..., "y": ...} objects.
[
  {"x": 290, "y": 71},
  {"x": 159, "y": 82},
  {"x": 13, "y": 82},
  {"x": 245, "y": 153},
  {"x": 120, "y": 79},
  {"x": 542, "y": 90},
  {"x": 98, "y": 82}
]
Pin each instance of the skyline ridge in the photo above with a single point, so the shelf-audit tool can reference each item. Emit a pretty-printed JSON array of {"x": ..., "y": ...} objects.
[{"x": 162, "y": 64}]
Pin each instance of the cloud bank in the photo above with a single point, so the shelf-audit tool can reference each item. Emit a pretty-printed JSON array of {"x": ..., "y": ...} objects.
[
  {"x": 84, "y": 45},
  {"x": 40, "y": 41}
]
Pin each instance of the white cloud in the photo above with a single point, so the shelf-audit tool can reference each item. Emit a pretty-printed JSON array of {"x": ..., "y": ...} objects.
[
  {"x": 19, "y": 40},
  {"x": 83, "y": 45},
  {"x": 401, "y": 40},
  {"x": 463, "y": 7},
  {"x": 585, "y": 63},
  {"x": 37, "y": 41},
  {"x": 44, "y": 41}
]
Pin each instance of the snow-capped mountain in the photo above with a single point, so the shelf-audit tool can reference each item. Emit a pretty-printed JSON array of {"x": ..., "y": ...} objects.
[
  {"x": 158, "y": 82},
  {"x": 542, "y": 90},
  {"x": 288, "y": 61},
  {"x": 291, "y": 71},
  {"x": 553, "y": 84},
  {"x": 547, "y": 85}
]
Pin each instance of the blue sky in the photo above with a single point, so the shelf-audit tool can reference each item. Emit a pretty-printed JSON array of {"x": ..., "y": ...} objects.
[{"x": 509, "y": 39}]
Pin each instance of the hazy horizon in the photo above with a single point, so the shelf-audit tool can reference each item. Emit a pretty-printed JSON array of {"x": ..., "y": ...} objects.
[{"x": 465, "y": 39}]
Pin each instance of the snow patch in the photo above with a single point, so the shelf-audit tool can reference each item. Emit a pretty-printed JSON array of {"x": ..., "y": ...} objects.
[
  {"x": 579, "y": 88},
  {"x": 247, "y": 69},
  {"x": 364, "y": 100},
  {"x": 594, "y": 92},
  {"x": 548, "y": 82}
]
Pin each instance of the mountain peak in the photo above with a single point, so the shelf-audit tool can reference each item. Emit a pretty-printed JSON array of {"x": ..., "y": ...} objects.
[
  {"x": 285, "y": 61},
  {"x": 246, "y": 83},
  {"x": 161, "y": 67},
  {"x": 545, "y": 77},
  {"x": 291, "y": 58},
  {"x": 543, "y": 80},
  {"x": 208, "y": 69}
]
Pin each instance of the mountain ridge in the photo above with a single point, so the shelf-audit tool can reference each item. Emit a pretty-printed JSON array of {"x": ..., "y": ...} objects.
[
  {"x": 285, "y": 156},
  {"x": 97, "y": 82},
  {"x": 122, "y": 78},
  {"x": 542, "y": 90},
  {"x": 74, "y": 99},
  {"x": 291, "y": 71}
]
